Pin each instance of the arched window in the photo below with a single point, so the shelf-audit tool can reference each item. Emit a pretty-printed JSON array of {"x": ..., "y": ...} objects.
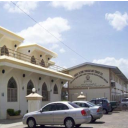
[
  {"x": 30, "y": 86},
  {"x": 55, "y": 89},
  {"x": 42, "y": 63},
  {"x": 33, "y": 60},
  {"x": 44, "y": 92},
  {"x": 4, "y": 51},
  {"x": 12, "y": 90}
]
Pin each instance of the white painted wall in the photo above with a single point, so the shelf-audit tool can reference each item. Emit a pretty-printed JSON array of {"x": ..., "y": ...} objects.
[{"x": 22, "y": 103}]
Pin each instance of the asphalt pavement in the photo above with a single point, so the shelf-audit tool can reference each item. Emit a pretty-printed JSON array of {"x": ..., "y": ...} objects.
[{"x": 116, "y": 119}]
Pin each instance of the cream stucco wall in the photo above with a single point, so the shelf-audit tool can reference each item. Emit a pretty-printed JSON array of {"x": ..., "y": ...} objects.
[
  {"x": 95, "y": 86},
  {"x": 9, "y": 43},
  {"x": 94, "y": 81},
  {"x": 98, "y": 84},
  {"x": 21, "y": 81}
]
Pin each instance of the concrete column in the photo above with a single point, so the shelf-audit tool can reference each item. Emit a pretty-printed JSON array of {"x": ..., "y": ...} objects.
[{"x": 34, "y": 101}]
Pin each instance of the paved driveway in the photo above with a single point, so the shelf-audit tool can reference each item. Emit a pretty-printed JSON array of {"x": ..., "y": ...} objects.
[{"x": 112, "y": 120}]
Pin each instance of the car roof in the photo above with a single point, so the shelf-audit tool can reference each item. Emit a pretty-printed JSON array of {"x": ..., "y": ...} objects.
[
  {"x": 100, "y": 99},
  {"x": 81, "y": 101},
  {"x": 65, "y": 102}
]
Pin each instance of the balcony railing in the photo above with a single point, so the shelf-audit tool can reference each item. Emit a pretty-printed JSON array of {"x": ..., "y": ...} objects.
[{"x": 31, "y": 59}]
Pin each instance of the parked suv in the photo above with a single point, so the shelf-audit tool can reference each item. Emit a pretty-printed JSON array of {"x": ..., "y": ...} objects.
[{"x": 104, "y": 102}]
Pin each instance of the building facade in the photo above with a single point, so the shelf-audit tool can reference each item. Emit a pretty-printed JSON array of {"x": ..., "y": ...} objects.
[
  {"x": 23, "y": 68},
  {"x": 96, "y": 81}
]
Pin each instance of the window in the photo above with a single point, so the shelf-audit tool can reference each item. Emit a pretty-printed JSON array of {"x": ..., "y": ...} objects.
[
  {"x": 93, "y": 101},
  {"x": 61, "y": 107},
  {"x": 44, "y": 92},
  {"x": 33, "y": 60},
  {"x": 4, "y": 51},
  {"x": 74, "y": 105},
  {"x": 98, "y": 101},
  {"x": 124, "y": 100},
  {"x": 12, "y": 90},
  {"x": 90, "y": 104},
  {"x": 42, "y": 63},
  {"x": 50, "y": 107},
  {"x": 82, "y": 105},
  {"x": 30, "y": 86},
  {"x": 55, "y": 89}
]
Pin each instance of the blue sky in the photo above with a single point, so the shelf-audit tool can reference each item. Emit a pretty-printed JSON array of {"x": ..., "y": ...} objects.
[{"x": 96, "y": 30}]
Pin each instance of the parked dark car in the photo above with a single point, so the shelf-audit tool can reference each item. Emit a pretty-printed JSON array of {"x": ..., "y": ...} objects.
[
  {"x": 114, "y": 105},
  {"x": 104, "y": 102}
]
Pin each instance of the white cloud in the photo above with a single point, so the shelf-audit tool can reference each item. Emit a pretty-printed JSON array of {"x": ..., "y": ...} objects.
[
  {"x": 122, "y": 64},
  {"x": 36, "y": 34},
  {"x": 62, "y": 50},
  {"x": 71, "y": 5},
  {"x": 26, "y": 6},
  {"x": 117, "y": 20}
]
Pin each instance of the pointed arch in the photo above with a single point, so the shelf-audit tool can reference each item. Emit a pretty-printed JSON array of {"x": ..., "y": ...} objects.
[
  {"x": 33, "y": 60},
  {"x": 44, "y": 92},
  {"x": 55, "y": 91},
  {"x": 12, "y": 90},
  {"x": 42, "y": 63},
  {"x": 30, "y": 86},
  {"x": 4, "y": 50}
]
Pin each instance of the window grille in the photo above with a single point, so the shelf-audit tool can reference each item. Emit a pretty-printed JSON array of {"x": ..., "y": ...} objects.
[
  {"x": 30, "y": 86},
  {"x": 4, "y": 51},
  {"x": 45, "y": 93},
  {"x": 55, "y": 89},
  {"x": 42, "y": 63},
  {"x": 12, "y": 90}
]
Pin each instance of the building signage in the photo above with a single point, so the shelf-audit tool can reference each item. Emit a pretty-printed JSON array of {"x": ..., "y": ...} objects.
[{"x": 87, "y": 81}]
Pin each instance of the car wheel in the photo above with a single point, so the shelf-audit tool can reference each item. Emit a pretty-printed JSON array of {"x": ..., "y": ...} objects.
[
  {"x": 105, "y": 111},
  {"x": 91, "y": 119},
  {"x": 31, "y": 123},
  {"x": 69, "y": 123},
  {"x": 111, "y": 110},
  {"x": 94, "y": 120},
  {"x": 77, "y": 126}
]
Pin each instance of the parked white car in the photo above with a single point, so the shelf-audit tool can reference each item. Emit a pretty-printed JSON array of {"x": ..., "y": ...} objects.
[
  {"x": 95, "y": 111},
  {"x": 124, "y": 103},
  {"x": 58, "y": 113}
]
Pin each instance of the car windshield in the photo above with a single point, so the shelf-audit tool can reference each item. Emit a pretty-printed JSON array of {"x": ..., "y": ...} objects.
[
  {"x": 91, "y": 104},
  {"x": 108, "y": 101},
  {"x": 74, "y": 105}
]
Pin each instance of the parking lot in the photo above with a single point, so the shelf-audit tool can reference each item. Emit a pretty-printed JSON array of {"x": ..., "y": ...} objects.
[{"x": 116, "y": 119}]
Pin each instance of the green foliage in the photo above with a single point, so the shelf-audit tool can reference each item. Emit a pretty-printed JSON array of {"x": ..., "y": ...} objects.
[{"x": 11, "y": 112}]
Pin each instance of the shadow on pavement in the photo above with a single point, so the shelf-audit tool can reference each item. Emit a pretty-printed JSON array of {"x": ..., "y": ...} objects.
[
  {"x": 98, "y": 122},
  {"x": 6, "y": 121},
  {"x": 110, "y": 113},
  {"x": 58, "y": 127}
]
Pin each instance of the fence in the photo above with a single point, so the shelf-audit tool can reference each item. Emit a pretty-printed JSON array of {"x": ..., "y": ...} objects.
[{"x": 31, "y": 59}]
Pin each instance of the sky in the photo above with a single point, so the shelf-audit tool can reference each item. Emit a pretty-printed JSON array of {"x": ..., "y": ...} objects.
[{"x": 98, "y": 31}]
